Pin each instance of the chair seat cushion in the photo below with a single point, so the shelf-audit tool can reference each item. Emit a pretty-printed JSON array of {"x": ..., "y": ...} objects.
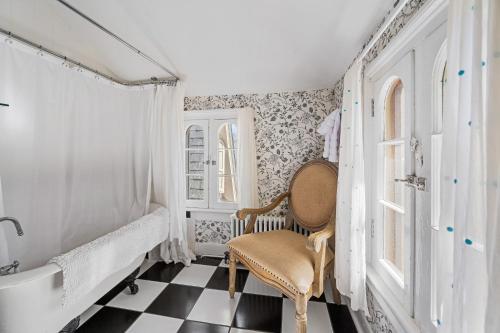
[{"x": 280, "y": 255}]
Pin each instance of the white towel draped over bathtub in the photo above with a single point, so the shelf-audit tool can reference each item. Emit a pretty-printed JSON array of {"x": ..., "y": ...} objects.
[{"x": 85, "y": 267}]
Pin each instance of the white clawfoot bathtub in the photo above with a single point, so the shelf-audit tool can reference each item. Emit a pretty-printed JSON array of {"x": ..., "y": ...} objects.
[{"x": 31, "y": 301}]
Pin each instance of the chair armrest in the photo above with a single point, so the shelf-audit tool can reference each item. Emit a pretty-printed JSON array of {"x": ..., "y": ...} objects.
[
  {"x": 243, "y": 213},
  {"x": 317, "y": 239},
  {"x": 317, "y": 243}
]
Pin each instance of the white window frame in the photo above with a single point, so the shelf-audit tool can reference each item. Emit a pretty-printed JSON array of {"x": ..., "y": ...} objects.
[
  {"x": 400, "y": 289},
  {"x": 213, "y": 118}
]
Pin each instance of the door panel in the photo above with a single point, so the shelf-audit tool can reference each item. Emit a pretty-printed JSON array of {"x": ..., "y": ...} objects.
[{"x": 196, "y": 152}]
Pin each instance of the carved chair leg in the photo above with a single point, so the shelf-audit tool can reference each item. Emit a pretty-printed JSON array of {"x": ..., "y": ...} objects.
[
  {"x": 232, "y": 274},
  {"x": 301, "y": 313}
]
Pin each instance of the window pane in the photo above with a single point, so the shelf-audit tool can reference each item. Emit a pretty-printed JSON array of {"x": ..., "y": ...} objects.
[
  {"x": 195, "y": 161},
  {"x": 393, "y": 238},
  {"x": 227, "y": 189},
  {"x": 194, "y": 187},
  {"x": 194, "y": 137},
  {"x": 394, "y": 168},
  {"x": 394, "y": 111},
  {"x": 227, "y": 154}
]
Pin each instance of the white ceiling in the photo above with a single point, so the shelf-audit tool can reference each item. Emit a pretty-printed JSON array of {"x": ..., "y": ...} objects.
[{"x": 219, "y": 46}]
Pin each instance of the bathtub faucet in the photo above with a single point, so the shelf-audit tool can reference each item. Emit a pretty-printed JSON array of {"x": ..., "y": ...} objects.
[{"x": 16, "y": 223}]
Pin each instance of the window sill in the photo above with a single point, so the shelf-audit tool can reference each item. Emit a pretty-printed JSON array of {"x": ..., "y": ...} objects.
[{"x": 211, "y": 210}]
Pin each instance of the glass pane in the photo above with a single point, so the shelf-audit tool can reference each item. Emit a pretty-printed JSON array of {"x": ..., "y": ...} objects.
[
  {"x": 194, "y": 137},
  {"x": 227, "y": 154},
  {"x": 195, "y": 161},
  {"x": 394, "y": 111},
  {"x": 394, "y": 168},
  {"x": 227, "y": 189},
  {"x": 194, "y": 188},
  {"x": 393, "y": 238}
]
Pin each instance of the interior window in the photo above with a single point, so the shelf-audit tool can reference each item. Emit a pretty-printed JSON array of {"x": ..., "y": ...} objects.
[
  {"x": 393, "y": 159},
  {"x": 211, "y": 162}
]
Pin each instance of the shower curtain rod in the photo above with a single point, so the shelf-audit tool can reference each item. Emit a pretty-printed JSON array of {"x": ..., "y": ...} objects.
[
  {"x": 22, "y": 40},
  {"x": 118, "y": 38}
]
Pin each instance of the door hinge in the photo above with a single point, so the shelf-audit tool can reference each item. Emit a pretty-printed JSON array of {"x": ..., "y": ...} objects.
[
  {"x": 373, "y": 107},
  {"x": 372, "y": 228}
]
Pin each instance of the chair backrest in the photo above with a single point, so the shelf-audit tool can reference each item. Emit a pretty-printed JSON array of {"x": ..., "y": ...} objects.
[{"x": 313, "y": 194}]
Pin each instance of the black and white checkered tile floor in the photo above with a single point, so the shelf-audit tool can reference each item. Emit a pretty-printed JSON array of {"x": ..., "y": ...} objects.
[{"x": 174, "y": 298}]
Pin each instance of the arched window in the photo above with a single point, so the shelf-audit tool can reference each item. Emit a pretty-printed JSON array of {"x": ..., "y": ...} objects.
[
  {"x": 393, "y": 168},
  {"x": 211, "y": 161}
]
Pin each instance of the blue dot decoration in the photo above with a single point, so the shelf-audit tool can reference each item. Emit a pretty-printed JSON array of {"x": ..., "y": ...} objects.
[
  {"x": 483, "y": 63},
  {"x": 468, "y": 241},
  {"x": 348, "y": 90},
  {"x": 356, "y": 102},
  {"x": 461, "y": 72},
  {"x": 439, "y": 322},
  {"x": 470, "y": 123},
  {"x": 455, "y": 181},
  {"x": 449, "y": 229}
]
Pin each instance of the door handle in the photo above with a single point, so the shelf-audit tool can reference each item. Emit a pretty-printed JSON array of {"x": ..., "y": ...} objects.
[{"x": 413, "y": 181}]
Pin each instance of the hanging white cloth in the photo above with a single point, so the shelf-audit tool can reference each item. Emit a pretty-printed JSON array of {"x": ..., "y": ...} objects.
[
  {"x": 74, "y": 154},
  {"x": 168, "y": 181},
  {"x": 247, "y": 161},
  {"x": 350, "y": 259},
  {"x": 330, "y": 129},
  {"x": 469, "y": 292},
  {"x": 493, "y": 168}
]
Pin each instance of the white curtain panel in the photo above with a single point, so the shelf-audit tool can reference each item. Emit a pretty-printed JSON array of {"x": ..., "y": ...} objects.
[
  {"x": 168, "y": 180},
  {"x": 247, "y": 162},
  {"x": 350, "y": 259},
  {"x": 470, "y": 264},
  {"x": 492, "y": 140},
  {"x": 74, "y": 154}
]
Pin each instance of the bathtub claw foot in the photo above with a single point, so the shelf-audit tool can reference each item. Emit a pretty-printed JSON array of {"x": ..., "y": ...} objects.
[
  {"x": 71, "y": 326},
  {"x": 130, "y": 281}
]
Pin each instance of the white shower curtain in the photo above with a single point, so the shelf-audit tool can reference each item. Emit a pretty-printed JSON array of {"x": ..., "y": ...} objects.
[
  {"x": 469, "y": 294},
  {"x": 247, "y": 161},
  {"x": 350, "y": 259},
  {"x": 168, "y": 181},
  {"x": 74, "y": 154}
]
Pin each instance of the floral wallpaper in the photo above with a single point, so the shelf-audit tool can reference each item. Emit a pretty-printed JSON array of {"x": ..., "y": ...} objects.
[
  {"x": 212, "y": 231},
  {"x": 285, "y": 132},
  {"x": 338, "y": 91},
  {"x": 399, "y": 22},
  {"x": 378, "y": 320}
]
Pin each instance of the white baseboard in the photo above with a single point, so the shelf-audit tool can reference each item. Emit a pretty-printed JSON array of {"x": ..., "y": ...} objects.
[{"x": 210, "y": 249}]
